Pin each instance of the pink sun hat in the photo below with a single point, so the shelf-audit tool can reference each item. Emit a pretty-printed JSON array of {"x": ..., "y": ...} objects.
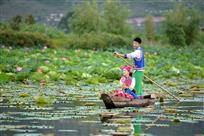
[{"x": 128, "y": 68}]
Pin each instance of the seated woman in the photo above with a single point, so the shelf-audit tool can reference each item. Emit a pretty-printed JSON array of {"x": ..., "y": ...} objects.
[
  {"x": 126, "y": 92},
  {"x": 127, "y": 85}
]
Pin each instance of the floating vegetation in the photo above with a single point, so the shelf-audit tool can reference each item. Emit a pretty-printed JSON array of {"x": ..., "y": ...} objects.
[
  {"x": 186, "y": 95},
  {"x": 62, "y": 94},
  {"x": 68, "y": 130},
  {"x": 43, "y": 100},
  {"x": 24, "y": 95},
  {"x": 69, "y": 106},
  {"x": 89, "y": 104},
  {"x": 170, "y": 83},
  {"x": 28, "y": 134},
  {"x": 157, "y": 125},
  {"x": 121, "y": 121},
  {"x": 170, "y": 110},
  {"x": 176, "y": 121},
  {"x": 161, "y": 99}
]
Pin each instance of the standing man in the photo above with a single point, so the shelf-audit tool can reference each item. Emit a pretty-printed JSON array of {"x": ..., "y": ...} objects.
[{"x": 138, "y": 57}]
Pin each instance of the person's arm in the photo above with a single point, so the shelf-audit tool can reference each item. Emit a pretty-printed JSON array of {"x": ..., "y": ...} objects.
[
  {"x": 132, "y": 86},
  {"x": 121, "y": 82},
  {"x": 122, "y": 85},
  {"x": 136, "y": 54}
]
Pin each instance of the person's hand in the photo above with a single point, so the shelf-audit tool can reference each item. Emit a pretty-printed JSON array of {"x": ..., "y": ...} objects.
[
  {"x": 123, "y": 86},
  {"x": 116, "y": 54}
]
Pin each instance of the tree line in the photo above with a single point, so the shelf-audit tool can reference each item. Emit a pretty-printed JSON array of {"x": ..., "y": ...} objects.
[{"x": 101, "y": 24}]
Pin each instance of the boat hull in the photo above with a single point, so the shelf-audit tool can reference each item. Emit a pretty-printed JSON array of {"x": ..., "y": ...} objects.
[{"x": 120, "y": 102}]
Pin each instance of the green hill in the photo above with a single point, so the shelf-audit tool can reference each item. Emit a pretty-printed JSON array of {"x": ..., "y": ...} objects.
[{"x": 51, "y": 11}]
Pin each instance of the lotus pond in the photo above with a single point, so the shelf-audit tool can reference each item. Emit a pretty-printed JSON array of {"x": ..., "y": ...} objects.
[
  {"x": 47, "y": 92},
  {"x": 66, "y": 110}
]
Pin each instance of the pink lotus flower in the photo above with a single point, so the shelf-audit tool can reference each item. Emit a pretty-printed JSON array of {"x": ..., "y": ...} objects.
[
  {"x": 64, "y": 59},
  {"x": 18, "y": 69},
  {"x": 42, "y": 82},
  {"x": 45, "y": 47},
  {"x": 39, "y": 70},
  {"x": 47, "y": 61}
]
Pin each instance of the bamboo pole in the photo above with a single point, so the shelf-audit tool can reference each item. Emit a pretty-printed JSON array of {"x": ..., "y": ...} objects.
[{"x": 161, "y": 87}]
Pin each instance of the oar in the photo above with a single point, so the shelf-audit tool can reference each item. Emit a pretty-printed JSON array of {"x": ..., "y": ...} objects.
[{"x": 176, "y": 98}]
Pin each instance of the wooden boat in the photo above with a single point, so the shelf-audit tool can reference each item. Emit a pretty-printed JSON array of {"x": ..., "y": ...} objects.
[{"x": 120, "y": 102}]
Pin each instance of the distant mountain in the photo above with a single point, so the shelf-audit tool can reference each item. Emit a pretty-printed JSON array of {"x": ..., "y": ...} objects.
[
  {"x": 45, "y": 11},
  {"x": 51, "y": 11}
]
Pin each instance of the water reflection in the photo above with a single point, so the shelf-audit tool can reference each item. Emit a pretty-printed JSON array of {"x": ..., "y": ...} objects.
[{"x": 137, "y": 125}]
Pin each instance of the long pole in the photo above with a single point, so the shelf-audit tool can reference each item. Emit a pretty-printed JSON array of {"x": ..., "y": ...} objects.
[
  {"x": 162, "y": 87},
  {"x": 154, "y": 82}
]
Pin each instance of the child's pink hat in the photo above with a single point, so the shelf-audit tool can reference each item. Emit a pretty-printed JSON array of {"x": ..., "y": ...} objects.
[{"x": 128, "y": 68}]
